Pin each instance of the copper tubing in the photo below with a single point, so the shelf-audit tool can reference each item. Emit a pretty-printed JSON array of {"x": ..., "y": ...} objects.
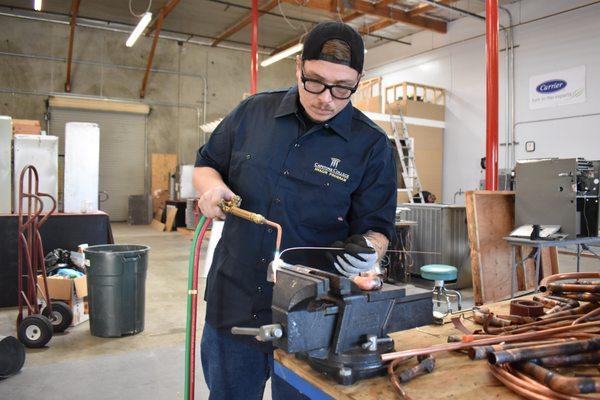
[
  {"x": 570, "y": 275},
  {"x": 468, "y": 341},
  {"x": 588, "y": 317},
  {"x": 425, "y": 366},
  {"x": 481, "y": 352},
  {"x": 572, "y": 287},
  {"x": 394, "y": 378},
  {"x": 560, "y": 383},
  {"x": 589, "y": 358},
  {"x": 584, "y": 309},
  {"x": 555, "y": 349},
  {"x": 480, "y": 317},
  {"x": 516, "y": 385},
  {"x": 526, "y": 386},
  {"x": 582, "y": 296},
  {"x": 539, "y": 323},
  {"x": 279, "y": 234}
]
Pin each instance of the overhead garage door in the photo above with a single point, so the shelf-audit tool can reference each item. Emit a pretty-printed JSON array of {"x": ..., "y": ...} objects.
[{"x": 122, "y": 153}]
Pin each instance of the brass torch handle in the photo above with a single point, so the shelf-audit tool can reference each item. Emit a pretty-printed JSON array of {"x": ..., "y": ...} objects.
[{"x": 232, "y": 207}]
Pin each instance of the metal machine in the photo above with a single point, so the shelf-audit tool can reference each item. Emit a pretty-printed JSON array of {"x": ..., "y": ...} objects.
[
  {"x": 561, "y": 192},
  {"x": 340, "y": 330}
]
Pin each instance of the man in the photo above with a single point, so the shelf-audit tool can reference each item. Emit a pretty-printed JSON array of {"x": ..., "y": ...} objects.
[{"x": 306, "y": 159}]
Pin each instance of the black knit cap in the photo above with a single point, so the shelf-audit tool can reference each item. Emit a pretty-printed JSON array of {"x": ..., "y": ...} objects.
[{"x": 313, "y": 43}]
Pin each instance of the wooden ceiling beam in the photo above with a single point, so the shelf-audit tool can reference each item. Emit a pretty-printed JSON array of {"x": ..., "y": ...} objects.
[
  {"x": 380, "y": 9},
  {"x": 242, "y": 23},
  {"x": 375, "y": 26},
  {"x": 165, "y": 10},
  {"x": 425, "y": 8},
  {"x": 74, "y": 11}
]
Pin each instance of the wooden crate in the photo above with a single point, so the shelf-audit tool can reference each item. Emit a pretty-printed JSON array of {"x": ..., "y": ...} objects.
[
  {"x": 368, "y": 95},
  {"x": 26, "y": 126}
]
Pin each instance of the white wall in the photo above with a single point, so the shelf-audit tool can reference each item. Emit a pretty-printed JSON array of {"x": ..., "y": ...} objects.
[{"x": 551, "y": 35}]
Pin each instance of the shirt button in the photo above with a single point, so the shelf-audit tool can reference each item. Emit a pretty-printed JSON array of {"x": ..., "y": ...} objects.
[
  {"x": 326, "y": 184},
  {"x": 277, "y": 200},
  {"x": 296, "y": 145},
  {"x": 269, "y": 230},
  {"x": 248, "y": 156},
  {"x": 259, "y": 289},
  {"x": 286, "y": 172},
  {"x": 263, "y": 260},
  {"x": 326, "y": 126},
  {"x": 254, "y": 316}
]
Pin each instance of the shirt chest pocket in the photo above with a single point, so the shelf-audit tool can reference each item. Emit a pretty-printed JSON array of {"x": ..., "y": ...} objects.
[
  {"x": 322, "y": 203},
  {"x": 248, "y": 173}
]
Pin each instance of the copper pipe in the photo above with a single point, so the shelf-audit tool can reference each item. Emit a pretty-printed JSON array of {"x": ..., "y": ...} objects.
[
  {"x": 572, "y": 287},
  {"x": 481, "y": 352},
  {"x": 480, "y": 318},
  {"x": 541, "y": 388},
  {"x": 279, "y": 234},
  {"x": 560, "y": 383},
  {"x": 468, "y": 341},
  {"x": 570, "y": 275},
  {"x": 515, "y": 384},
  {"x": 538, "y": 323},
  {"x": 551, "y": 301},
  {"x": 582, "y": 296},
  {"x": 588, "y": 316},
  {"x": 394, "y": 378},
  {"x": 589, "y": 358},
  {"x": 584, "y": 309},
  {"x": 555, "y": 349}
]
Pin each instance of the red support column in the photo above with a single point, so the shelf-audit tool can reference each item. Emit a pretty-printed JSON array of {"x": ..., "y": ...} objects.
[
  {"x": 254, "y": 48},
  {"x": 491, "y": 146}
]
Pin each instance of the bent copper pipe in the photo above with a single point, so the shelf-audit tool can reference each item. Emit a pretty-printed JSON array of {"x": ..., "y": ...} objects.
[
  {"x": 469, "y": 341},
  {"x": 560, "y": 383},
  {"x": 391, "y": 370},
  {"x": 540, "y": 323},
  {"x": 517, "y": 385},
  {"x": 570, "y": 275},
  {"x": 588, "y": 317},
  {"x": 554, "y": 301}
]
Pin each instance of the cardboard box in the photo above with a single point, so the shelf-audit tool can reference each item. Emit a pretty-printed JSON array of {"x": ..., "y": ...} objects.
[{"x": 72, "y": 292}]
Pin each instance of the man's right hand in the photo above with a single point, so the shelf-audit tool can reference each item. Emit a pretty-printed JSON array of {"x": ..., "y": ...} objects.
[{"x": 209, "y": 201}]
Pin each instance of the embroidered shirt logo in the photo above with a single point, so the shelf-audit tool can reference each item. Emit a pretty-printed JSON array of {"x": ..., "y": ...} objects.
[{"x": 332, "y": 170}]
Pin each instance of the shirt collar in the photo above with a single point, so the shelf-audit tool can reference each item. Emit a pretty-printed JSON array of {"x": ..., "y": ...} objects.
[{"x": 340, "y": 124}]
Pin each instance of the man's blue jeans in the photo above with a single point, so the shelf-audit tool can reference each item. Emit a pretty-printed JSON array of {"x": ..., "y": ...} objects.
[{"x": 235, "y": 370}]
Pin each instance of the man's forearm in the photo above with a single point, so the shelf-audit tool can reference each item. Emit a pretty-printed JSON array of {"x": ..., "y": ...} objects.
[{"x": 380, "y": 242}]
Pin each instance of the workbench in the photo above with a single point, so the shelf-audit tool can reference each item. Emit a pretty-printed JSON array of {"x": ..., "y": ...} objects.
[{"x": 455, "y": 376}]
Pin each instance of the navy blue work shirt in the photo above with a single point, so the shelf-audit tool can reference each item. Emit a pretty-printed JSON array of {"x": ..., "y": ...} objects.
[{"x": 325, "y": 184}]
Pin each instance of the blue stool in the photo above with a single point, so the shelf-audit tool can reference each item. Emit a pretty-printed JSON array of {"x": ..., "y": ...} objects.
[{"x": 440, "y": 273}]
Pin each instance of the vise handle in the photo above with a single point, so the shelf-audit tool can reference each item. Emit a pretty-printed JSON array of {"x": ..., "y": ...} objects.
[{"x": 265, "y": 333}]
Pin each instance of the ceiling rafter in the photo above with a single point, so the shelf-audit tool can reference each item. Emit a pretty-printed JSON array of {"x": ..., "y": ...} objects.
[
  {"x": 165, "y": 10},
  {"x": 242, "y": 23},
  {"x": 425, "y": 8},
  {"x": 381, "y": 9}
]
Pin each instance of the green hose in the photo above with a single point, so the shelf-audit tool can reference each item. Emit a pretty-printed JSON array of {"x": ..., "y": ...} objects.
[{"x": 188, "y": 327}]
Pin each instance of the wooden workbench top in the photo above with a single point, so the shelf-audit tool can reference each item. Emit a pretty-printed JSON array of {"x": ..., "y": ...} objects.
[{"x": 455, "y": 376}]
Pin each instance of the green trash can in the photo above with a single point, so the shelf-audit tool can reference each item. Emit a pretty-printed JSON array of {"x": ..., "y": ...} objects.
[{"x": 116, "y": 278}]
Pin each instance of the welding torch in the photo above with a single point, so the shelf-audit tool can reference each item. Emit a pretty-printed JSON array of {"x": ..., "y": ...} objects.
[{"x": 233, "y": 207}]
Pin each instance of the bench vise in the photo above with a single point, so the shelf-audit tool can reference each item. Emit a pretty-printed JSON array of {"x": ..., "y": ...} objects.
[{"x": 338, "y": 329}]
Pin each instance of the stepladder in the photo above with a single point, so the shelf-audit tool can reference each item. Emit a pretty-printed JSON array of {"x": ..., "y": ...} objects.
[{"x": 411, "y": 184}]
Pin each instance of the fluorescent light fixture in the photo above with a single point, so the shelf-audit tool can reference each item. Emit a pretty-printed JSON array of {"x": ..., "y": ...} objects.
[
  {"x": 37, "y": 5},
  {"x": 282, "y": 54},
  {"x": 139, "y": 29}
]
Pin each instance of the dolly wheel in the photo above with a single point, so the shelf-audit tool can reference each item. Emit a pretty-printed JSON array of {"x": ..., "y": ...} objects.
[
  {"x": 35, "y": 331},
  {"x": 61, "y": 316}
]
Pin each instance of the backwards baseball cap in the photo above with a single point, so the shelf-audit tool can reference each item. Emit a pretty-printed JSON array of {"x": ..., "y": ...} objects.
[{"x": 325, "y": 31}]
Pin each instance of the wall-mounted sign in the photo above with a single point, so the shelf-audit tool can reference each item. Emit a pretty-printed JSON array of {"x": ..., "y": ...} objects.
[{"x": 557, "y": 88}]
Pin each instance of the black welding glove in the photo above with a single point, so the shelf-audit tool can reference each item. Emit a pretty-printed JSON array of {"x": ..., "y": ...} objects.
[{"x": 357, "y": 257}]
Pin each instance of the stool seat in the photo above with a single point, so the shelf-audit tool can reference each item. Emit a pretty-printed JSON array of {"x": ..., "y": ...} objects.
[{"x": 439, "y": 272}]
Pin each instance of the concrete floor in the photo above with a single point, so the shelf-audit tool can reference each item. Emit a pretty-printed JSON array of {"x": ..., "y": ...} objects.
[{"x": 150, "y": 365}]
